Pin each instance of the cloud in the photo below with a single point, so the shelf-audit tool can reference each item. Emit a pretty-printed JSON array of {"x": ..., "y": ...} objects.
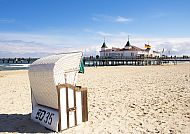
[
  {"x": 95, "y": 18},
  {"x": 160, "y": 14},
  {"x": 3, "y": 20},
  {"x": 122, "y": 19},
  {"x": 104, "y": 33},
  {"x": 87, "y": 30},
  {"x": 107, "y": 34},
  {"x": 34, "y": 45},
  {"x": 92, "y": 50},
  {"x": 180, "y": 47},
  {"x": 102, "y": 17},
  {"x": 176, "y": 46},
  {"x": 108, "y": 18}
]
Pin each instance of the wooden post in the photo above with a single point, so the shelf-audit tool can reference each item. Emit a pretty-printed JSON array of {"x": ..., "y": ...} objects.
[
  {"x": 84, "y": 106},
  {"x": 67, "y": 107},
  {"x": 59, "y": 108},
  {"x": 75, "y": 112}
]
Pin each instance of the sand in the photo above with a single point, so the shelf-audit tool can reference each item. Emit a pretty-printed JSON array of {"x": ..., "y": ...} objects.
[{"x": 122, "y": 99}]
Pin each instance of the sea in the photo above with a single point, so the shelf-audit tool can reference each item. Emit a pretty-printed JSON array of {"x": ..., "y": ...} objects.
[{"x": 8, "y": 66}]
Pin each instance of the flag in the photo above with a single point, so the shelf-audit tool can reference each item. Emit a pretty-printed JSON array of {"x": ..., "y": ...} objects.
[
  {"x": 147, "y": 46},
  {"x": 81, "y": 67}
]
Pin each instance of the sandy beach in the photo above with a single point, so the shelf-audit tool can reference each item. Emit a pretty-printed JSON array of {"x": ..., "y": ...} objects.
[{"x": 122, "y": 99}]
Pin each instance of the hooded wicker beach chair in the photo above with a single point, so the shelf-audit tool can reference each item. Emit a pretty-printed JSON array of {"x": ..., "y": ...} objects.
[{"x": 57, "y": 103}]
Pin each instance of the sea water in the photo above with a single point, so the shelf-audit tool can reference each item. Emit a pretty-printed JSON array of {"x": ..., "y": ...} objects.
[{"x": 8, "y": 66}]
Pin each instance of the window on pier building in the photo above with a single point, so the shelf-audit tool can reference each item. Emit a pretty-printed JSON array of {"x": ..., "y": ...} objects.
[{"x": 132, "y": 54}]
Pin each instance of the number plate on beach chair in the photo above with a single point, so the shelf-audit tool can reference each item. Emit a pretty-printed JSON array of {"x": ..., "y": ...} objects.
[{"x": 47, "y": 117}]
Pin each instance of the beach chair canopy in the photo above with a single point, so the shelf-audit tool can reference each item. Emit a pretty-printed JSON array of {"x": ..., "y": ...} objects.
[{"x": 46, "y": 73}]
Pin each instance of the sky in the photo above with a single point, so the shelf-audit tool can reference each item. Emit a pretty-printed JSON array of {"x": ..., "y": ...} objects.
[{"x": 35, "y": 28}]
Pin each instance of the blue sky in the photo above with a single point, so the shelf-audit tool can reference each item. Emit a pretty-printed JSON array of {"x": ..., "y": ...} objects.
[{"x": 40, "y": 27}]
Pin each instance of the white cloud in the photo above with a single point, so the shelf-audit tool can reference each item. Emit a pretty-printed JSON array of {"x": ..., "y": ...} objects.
[
  {"x": 104, "y": 33},
  {"x": 92, "y": 50},
  {"x": 160, "y": 14},
  {"x": 108, "y": 18},
  {"x": 122, "y": 19},
  {"x": 102, "y": 17},
  {"x": 87, "y": 30},
  {"x": 33, "y": 45},
  {"x": 95, "y": 19},
  {"x": 4, "y": 20},
  {"x": 180, "y": 47},
  {"x": 176, "y": 46}
]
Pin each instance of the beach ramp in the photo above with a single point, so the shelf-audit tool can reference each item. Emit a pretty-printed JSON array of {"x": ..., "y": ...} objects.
[{"x": 57, "y": 103}]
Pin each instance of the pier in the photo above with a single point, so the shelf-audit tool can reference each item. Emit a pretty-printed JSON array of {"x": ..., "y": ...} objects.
[
  {"x": 90, "y": 61},
  {"x": 93, "y": 61},
  {"x": 17, "y": 60}
]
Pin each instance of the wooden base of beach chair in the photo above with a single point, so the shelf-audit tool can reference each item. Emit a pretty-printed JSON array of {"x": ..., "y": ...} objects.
[{"x": 72, "y": 109}]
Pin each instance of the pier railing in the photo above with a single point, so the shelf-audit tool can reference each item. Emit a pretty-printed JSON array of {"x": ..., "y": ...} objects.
[
  {"x": 17, "y": 60},
  {"x": 108, "y": 61}
]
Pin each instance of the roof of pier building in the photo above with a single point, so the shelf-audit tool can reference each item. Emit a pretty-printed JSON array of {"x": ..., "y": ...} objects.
[{"x": 133, "y": 48}]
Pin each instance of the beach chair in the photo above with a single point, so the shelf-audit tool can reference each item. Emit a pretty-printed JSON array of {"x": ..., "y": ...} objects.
[{"x": 57, "y": 103}]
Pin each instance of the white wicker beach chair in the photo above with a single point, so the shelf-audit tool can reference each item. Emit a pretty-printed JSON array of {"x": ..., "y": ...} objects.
[{"x": 56, "y": 102}]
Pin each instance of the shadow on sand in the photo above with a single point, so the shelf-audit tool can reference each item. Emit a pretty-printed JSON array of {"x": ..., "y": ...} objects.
[{"x": 20, "y": 123}]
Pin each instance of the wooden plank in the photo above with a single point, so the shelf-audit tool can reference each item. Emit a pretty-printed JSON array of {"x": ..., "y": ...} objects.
[
  {"x": 66, "y": 85},
  {"x": 75, "y": 112},
  {"x": 59, "y": 108},
  {"x": 31, "y": 98},
  {"x": 84, "y": 106},
  {"x": 76, "y": 88},
  {"x": 67, "y": 107}
]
